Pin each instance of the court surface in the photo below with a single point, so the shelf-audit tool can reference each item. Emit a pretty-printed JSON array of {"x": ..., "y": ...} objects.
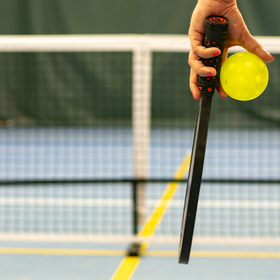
[
  {"x": 243, "y": 211},
  {"x": 247, "y": 263}
]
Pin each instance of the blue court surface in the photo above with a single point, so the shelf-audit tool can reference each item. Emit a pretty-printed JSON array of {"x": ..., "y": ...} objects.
[
  {"x": 56, "y": 266},
  {"x": 237, "y": 234}
]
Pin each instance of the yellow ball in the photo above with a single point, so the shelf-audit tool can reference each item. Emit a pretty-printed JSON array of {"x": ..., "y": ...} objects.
[{"x": 244, "y": 76}]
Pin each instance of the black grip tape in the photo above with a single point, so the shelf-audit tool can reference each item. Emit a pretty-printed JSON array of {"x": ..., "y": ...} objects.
[{"x": 216, "y": 28}]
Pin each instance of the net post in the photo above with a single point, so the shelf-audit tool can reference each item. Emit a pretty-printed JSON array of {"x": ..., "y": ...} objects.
[{"x": 141, "y": 111}]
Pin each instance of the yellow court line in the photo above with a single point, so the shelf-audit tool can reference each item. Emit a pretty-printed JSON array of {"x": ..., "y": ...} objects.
[
  {"x": 125, "y": 273},
  {"x": 217, "y": 254},
  {"x": 236, "y": 254},
  {"x": 155, "y": 218},
  {"x": 126, "y": 268},
  {"x": 132, "y": 262},
  {"x": 66, "y": 252}
]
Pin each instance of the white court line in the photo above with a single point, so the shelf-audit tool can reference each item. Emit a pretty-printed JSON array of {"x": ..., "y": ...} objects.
[
  {"x": 69, "y": 202},
  {"x": 252, "y": 204},
  {"x": 87, "y": 202}
]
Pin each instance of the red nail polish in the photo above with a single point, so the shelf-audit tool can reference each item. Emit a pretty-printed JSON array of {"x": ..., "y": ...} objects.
[
  {"x": 210, "y": 75},
  {"x": 215, "y": 53},
  {"x": 271, "y": 56},
  {"x": 194, "y": 97}
]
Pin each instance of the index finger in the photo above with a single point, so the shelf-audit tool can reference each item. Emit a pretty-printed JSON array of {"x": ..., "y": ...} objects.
[{"x": 196, "y": 40}]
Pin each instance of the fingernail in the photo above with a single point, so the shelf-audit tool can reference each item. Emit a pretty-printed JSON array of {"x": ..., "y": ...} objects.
[
  {"x": 217, "y": 52},
  {"x": 223, "y": 95},
  {"x": 209, "y": 75},
  {"x": 194, "y": 97},
  {"x": 271, "y": 56}
]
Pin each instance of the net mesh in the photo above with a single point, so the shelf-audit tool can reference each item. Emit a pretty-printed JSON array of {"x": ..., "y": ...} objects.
[{"x": 111, "y": 109}]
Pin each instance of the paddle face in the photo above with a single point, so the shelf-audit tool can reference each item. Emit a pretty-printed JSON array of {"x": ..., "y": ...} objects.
[{"x": 215, "y": 33}]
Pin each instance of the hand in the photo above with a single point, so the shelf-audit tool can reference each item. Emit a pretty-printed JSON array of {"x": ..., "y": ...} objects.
[{"x": 238, "y": 34}]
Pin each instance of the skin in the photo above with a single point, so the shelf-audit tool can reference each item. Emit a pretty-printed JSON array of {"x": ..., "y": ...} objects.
[{"x": 238, "y": 34}]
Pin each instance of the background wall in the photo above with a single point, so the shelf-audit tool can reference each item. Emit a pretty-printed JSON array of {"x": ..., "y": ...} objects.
[
  {"x": 94, "y": 88},
  {"x": 121, "y": 16}
]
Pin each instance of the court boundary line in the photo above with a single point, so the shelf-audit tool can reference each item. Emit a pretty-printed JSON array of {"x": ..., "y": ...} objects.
[{"x": 134, "y": 261}]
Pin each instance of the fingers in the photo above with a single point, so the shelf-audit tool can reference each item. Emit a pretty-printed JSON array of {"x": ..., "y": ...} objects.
[
  {"x": 195, "y": 90},
  {"x": 193, "y": 85},
  {"x": 221, "y": 91},
  {"x": 201, "y": 51},
  {"x": 196, "y": 34},
  {"x": 253, "y": 46},
  {"x": 199, "y": 69}
]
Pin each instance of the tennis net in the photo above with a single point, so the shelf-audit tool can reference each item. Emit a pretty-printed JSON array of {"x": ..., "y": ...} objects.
[{"x": 93, "y": 129}]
